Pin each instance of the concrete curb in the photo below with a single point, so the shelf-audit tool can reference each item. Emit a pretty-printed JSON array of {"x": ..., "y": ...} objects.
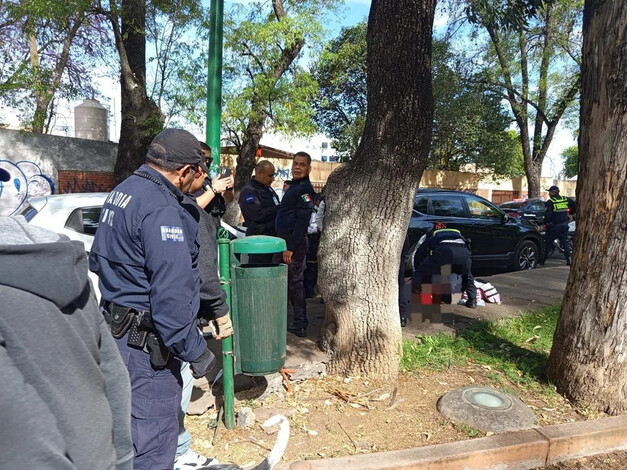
[{"x": 530, "y": 448}]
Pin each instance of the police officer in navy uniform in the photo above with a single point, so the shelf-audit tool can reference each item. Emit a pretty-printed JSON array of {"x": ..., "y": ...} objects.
[
  {"x": 445, "y": 246},
  {"x": 556, "y": 218},
  {"x": 145, "y": 254},
  {"x": 292, "y": 221},
  {"x": 259, "y": 205}
]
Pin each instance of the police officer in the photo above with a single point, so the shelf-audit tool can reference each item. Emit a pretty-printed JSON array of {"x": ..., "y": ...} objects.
[
  {"x": 213, "y": 306},
  {"x": 292, "y": 221},
  {"x": 445, "y": 246},
  {"x": 259, "y": 205},
  {"x": 145, "y": 254},
  {"x": 556, "y": 218}
]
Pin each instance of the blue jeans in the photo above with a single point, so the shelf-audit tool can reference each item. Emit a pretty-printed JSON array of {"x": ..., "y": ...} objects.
[
  {"x": 155, "y": 402},
  {"x": 185, "y": 438}
]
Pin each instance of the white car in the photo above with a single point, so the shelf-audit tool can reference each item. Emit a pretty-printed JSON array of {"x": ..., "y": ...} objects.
[{"x": 77, "y": 216}]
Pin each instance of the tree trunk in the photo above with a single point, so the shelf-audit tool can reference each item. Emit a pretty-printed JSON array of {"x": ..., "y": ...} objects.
[
  {"x": 141, "y": 118},
  {"x": 588, "y": 362},
  {"x": 533, "y": 171},
  {"x": 369, "y": 200}
]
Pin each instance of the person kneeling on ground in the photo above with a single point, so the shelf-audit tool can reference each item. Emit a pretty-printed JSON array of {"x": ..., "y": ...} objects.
[{"x": 444, "y": 246}]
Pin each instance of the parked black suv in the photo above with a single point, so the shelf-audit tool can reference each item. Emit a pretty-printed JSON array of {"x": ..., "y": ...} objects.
[
  {"x": 496, "y": 239},
  {"x": 531, "y": 209}
]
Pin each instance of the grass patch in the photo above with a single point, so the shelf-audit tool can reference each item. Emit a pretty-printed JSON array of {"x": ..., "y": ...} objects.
[{"x": 518, "y": 347}]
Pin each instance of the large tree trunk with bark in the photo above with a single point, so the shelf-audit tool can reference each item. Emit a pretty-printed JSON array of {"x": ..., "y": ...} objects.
[
  {"x": 588, "y": 362},
  {"x": 369, "y": 200},
  {"x": 141, "y": 118}
]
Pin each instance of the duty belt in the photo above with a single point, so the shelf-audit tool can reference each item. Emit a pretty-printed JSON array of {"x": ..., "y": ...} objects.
[{"x": 142, "y": 333}]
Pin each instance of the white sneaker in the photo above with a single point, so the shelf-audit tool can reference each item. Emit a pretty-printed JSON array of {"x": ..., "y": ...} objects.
[{"x": 192, "y": 460}]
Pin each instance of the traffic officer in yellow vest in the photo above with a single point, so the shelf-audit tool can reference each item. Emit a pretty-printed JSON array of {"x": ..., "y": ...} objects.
[{"x": 556, "y": 218}]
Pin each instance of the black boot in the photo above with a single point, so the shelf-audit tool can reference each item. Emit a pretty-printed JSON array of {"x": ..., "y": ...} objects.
[
  {"x": 567, "y": 261},
  {"x": 403, "y": 321},
  {"x": 471, "y": 303}
]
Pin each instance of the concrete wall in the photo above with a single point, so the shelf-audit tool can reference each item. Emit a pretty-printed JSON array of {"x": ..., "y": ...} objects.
[{"x": 40, "y": 165}]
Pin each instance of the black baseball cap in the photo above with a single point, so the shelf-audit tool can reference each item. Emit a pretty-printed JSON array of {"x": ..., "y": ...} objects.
[
  {"x": 177, "y": 146},
  {"x": 4, "y": 175},
  {"x": 554, "y": 188}
]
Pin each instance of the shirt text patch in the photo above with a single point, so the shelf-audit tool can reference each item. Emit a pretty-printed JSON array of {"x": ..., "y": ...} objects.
[{"x": 172, "y": 234}]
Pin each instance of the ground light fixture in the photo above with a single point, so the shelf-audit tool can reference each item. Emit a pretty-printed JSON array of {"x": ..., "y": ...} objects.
[{"x": 486, "y": 409}]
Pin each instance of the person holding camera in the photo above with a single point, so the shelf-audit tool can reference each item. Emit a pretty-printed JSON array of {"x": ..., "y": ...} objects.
[{"x": 145, "y": 253}]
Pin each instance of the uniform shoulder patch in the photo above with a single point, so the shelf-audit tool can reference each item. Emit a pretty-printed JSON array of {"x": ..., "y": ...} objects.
[
  {"x": 172, "y": 234},
  {"x": 250, "y": 198},
  {"x": 306, "y": 198}
]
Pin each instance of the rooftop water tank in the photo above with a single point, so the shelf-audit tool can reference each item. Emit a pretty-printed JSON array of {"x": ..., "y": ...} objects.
[{"x": 91, "y": 121}]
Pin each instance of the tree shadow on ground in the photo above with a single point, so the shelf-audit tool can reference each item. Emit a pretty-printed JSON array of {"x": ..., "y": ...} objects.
[{"x": 479, "y": 336}]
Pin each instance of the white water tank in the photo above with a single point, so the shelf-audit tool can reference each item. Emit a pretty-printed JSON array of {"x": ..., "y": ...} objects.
[{"x": 91, "y": 121}]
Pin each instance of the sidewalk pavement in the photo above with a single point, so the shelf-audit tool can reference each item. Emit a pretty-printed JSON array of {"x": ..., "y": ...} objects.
[{"x": 520, "y": 291}]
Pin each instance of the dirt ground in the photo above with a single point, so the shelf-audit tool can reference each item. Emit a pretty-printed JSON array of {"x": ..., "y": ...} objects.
[{"x": 334, "y": 416}]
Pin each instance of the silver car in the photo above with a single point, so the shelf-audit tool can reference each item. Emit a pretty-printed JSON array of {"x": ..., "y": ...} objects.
[{"x": 77, "y": 216}]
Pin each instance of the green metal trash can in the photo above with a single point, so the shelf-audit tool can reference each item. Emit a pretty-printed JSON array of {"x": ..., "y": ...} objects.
[{"x": 258, "y": 307}]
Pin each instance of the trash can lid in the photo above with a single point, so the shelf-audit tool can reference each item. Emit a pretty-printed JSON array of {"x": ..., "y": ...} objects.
[{"x": 258, "y": 244}]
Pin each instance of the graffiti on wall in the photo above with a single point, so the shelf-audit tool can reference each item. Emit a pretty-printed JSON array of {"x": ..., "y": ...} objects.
[
  {"x": 27, "y": 180},
  {"x": 85, "y": 185}
]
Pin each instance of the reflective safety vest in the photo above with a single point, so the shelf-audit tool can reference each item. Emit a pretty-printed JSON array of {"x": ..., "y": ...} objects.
[{"x": 560, "y": 203}]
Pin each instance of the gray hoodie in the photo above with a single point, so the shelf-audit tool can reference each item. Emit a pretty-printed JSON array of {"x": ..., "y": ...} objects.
[{"x": 64, "y": 390}]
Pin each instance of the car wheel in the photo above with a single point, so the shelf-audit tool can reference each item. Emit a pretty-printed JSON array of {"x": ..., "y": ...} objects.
[{"x": 526, "y": 256}]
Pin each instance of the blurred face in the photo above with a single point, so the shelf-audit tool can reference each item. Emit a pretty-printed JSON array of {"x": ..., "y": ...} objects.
[
  {"x": 552, "y": 193},
  {"x": 266, "y": 176},
  {"x": 300, "y": 167},
  {"x": 188, "y": 176}
]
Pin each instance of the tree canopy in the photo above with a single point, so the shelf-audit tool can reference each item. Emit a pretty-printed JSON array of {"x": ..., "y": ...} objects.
[
  {"x": 571, "y": 161},
  {"x": 49, "y": 50},
  {"x": 533, "y": 64},
  {"x": 470, "y": 126}
]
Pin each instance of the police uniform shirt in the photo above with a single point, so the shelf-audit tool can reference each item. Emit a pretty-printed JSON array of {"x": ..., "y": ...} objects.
[
  {"x": 556, "y": 210},
  {"x": 145, "y": 254},
  {"x": 259, "y": 205},
  {"x": 294, "y": 213}
]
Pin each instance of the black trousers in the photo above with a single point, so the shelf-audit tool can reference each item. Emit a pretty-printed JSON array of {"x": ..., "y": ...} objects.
[
  {"x": 295, "y": 289},
  {"x": 311, "y": 271},
  {"x": 458, "y": 257},
  {"x": 557, "y": 231}
]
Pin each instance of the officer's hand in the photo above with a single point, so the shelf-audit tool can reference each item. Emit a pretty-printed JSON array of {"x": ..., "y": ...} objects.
[
  {"x": 287, "y": 256},
  {"x": 203, "y": 364},
  {"x": 222, "y": 184},
  {"x": 224, "y": 327}
]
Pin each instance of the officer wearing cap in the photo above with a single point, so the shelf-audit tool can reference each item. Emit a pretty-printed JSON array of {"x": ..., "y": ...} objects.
[
  {"x": 145, "y": 254},
  {"x": 556, "y": 218},
  {"x": 292, "y": 221},
  {"x": 259, "y": 205}
]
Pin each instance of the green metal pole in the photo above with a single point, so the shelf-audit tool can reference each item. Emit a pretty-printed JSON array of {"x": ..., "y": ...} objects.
[
  {"x": 214, "y": 109},
  {"x": 227, "y": 343},
  {"x": 214, "y": 83}
]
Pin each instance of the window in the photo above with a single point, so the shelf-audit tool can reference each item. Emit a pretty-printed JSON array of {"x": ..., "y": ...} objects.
[
  {"x": 479, "y": 209},
  {"x": 447, "y": 206},
  {"x": 537, "y": 206},
  {"x": 84, "y": 220},
  {"x": 420, "y": 205}
]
